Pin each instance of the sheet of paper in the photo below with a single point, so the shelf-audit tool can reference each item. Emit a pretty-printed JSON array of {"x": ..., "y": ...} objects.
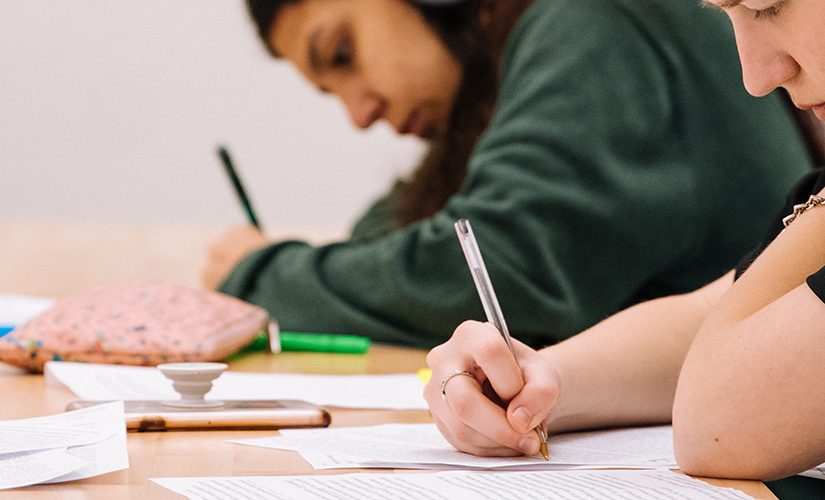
[
  {"x": 82, "y": 443},
  {"x": 596, "y": 485},
  {"x": 107, "y": 382},
  {"x": 24, "y": 469},
  {"x": 108, "y": 455},
  {"x": 81, "y": 427},
  {"x": 100, "y": 458},
  {"x": 17, "y": 309},
  {"x": 422, "y": 446}
]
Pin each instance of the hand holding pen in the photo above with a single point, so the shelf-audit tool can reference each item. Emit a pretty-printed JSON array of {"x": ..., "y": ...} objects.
[
  {"x": 488, "y": 396},
  {"x": 489, "y": 301}
]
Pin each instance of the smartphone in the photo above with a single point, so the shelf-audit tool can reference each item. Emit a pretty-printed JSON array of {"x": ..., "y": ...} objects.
[{"x": 146, "y": 416}]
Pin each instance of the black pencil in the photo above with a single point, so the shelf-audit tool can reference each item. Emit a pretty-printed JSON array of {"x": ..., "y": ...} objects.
[{"x": 236, "y": 183}]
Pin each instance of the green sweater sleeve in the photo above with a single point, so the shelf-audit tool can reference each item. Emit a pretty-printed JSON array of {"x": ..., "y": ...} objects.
[
  {"x": 585, "y": 194},
  {"x": 378, "y": 220}
]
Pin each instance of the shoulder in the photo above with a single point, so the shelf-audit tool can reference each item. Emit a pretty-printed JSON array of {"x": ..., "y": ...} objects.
[
  {"x": 578, "y": 60},
  {"x": 575, "y": 26}
]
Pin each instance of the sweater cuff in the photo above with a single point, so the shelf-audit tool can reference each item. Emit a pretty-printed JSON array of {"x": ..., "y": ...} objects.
[{"x": 816, "y": 282}]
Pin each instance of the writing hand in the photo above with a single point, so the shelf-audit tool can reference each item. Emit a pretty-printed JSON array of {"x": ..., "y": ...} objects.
[
  {"x": 227, "y": 251},
  {"x": 471, "y": 416}
]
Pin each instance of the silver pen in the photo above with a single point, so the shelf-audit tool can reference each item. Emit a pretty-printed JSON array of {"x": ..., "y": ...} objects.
[{"x": 489, "y": 300}]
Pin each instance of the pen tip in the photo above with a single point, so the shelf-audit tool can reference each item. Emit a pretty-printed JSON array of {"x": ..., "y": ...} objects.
[
  {"x": 543, "y": 451},
  {"x": 542, "y": 442}
]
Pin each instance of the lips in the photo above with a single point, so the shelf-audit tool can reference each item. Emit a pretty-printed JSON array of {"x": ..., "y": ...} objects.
[
  {"x": 417, "y": 124},
  {"x": 819, "y": 111}
]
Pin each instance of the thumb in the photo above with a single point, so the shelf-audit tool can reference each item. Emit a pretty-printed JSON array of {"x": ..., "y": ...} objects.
[{"x": 533, "y": 403}]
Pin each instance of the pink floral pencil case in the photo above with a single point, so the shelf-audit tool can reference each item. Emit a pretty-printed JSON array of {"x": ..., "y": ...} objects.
[{"x": 138, "y": 323}]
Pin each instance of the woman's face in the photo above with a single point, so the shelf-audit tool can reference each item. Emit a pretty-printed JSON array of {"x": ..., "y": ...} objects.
[
  {"x": 781, "y": 44},
  {"x": 380, "y": 57}
]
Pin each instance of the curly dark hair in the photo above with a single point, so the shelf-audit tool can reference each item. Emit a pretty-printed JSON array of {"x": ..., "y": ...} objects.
[{"x": 477, "y": 45}]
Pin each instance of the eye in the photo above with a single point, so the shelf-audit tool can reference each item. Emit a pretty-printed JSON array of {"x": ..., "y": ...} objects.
[
  {"x": 342, "y": 54},
  {"x": 769, "y": 13}
]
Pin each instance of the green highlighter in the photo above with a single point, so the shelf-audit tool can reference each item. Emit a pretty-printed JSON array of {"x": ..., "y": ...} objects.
[
  {"x": 277, "y": 341},
  {"x": 323, "y": 342}
]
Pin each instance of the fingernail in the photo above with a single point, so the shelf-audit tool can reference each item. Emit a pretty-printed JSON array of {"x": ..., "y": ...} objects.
[
  {"x": 528, "y": 445},
  {"x": 522, "y": 418}
]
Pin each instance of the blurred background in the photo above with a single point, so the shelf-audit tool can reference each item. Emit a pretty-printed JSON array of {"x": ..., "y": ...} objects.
[{"x": 111, "y": 111}]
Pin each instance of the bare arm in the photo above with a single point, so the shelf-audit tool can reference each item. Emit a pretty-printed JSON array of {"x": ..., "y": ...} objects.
[
  {"x": 624, "y": 369},
  {"x": 750, "y": 402},
  {"x": 621, "y": 371}
]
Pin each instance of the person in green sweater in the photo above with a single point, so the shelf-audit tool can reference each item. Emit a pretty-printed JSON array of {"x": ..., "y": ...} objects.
[{"x": 581, "y": 138}]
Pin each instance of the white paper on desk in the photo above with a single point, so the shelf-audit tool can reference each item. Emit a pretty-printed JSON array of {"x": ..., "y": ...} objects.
[
  {"x": 107, "y": 382},
  {"x": 17, "y": 309},
  {"x": 105, "y": 456},
  {"x": 597, "y": 485},
  {"x": 24, "y": 469},
  {"x": 81, "y": 427},
  {"x": 85, "y": 443},
  {"x": 422, "y": 446}
]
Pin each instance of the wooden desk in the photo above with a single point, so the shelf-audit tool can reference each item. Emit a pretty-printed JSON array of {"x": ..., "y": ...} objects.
[
  {"x": 56, "y": 259},
  {"x": 208, "y": 453},
  {"x": 203, "y": 453}
]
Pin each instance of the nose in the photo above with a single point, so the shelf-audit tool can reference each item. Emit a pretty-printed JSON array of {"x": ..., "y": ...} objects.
[
  {"x": 765, "y": 65},
  {"x": 364, "y": 106}
]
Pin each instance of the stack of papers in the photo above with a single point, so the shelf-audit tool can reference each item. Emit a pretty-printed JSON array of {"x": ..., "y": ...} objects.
[
  {"x": 421, "y": 446},
  {"x": 63, "y": 447},
  {"x": 108, "y": 382},
  {"x": 595, "y": 485}
]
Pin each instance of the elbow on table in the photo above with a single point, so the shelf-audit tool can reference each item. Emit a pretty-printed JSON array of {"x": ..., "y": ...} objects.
[{"x": 721, "y": 451}]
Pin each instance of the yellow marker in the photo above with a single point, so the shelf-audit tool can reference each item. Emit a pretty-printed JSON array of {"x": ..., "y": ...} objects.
[{"x": 424, "y": 374}]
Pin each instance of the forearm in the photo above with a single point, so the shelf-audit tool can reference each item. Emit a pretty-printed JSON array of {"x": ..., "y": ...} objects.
[
  {"x": 624, "y": 369},
  {"x": 747, "y": 405},
  {"x": 783, "y": 265},
  {"x": 757, "y": 363}
]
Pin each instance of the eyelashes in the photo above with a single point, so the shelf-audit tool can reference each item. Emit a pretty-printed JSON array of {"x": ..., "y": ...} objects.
[
  {"x": 342, "y": 54},
  {"x": 769, "y": 13}
]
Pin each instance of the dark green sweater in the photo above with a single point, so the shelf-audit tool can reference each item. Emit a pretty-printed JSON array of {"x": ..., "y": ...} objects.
[{"x": 624, "y": 161}]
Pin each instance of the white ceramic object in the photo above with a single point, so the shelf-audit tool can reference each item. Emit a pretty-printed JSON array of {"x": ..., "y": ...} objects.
[{"x": 192, "y": 381}]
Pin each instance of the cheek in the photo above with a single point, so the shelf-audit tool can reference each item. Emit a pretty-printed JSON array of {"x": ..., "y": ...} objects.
[
  {"x": 424, "y": 64},
  {"x": 408, "y": 78},
  {"x": 816, "y": 62},
  {"x": 441, "y": 75},
  {"x": 806, "y": 45}
]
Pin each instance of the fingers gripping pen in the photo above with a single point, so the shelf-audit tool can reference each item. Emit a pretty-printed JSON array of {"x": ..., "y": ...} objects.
[{"x": 489, "y": 300}]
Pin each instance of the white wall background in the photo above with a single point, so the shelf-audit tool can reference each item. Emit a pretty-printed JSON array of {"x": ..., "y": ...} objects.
[{"x": 110, "y": 111}]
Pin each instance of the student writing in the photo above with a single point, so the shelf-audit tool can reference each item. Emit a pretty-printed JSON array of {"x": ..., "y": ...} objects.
[
  {"x": 746, "y": 349},
  {"x": 582, "y": 138}
]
